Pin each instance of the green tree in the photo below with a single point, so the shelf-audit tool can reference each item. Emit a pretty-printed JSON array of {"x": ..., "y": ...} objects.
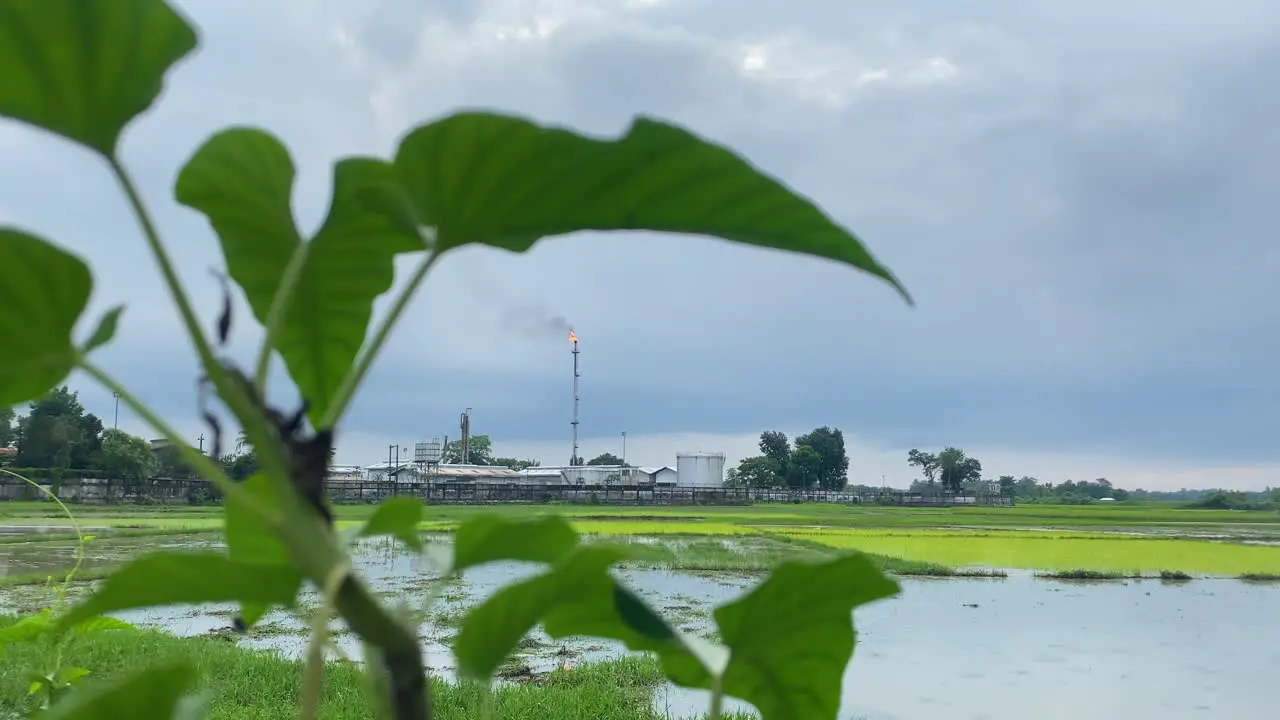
[
  {"x": 760, "y": 471},
  {"x": 1008, "y": 486},
  {"x": 126, "y": 457},
  {"x": 806, "y": 467},
  {"x": 955, "y": 469},
  {"x": 927, "y": 462},
  {"x": 605, "y": 459},
  {"x": 58, "y": 433},
  {"x": 239, "y": 466},
  {"x": 514, "y": 464},
  {"x": 7, "y": 429},
  {"x": 833, "y": 471},
  {"x": 774, "y": 444},
  {"x": 169, "y": 463},
  {"x": 479, "y": 451}
]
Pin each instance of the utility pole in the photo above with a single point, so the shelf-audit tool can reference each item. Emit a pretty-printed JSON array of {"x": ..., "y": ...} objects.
[
  {"x": 201, "y": 439},
  {"x": 624, "y": 448},
  {"x": 116, "y": 425}
]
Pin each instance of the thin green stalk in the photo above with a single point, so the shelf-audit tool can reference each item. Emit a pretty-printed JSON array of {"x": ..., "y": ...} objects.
[
  {"x": 717, "y": 699},
  {"x": 311, "y": 544},
  {"x": 275, "y": 315},
  {"x": 355, "y": 376},
  {"x": 313, "y": 672},
  {"x": 198, "y": 460},
  {"x": 255, "y": 426},
  {"x": 61, "y": 593},
  {"x": 176, "y": 289}
]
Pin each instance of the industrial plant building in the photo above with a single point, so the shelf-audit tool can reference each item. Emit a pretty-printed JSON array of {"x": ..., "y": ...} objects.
[{"x": 692, "y": 470}]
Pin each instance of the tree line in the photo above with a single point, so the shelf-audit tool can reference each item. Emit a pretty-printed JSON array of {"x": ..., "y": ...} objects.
[
  {"x": 814, "y": 460},
  {"x": 57, "y": 438}
]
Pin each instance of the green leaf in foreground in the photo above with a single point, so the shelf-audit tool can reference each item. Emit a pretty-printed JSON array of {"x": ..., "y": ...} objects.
[
  {"x": 155, "y": 693},
  {"x": 241, "y": 179},
  {"x": 492, "y": 629},
  {"x": 84, "y": 68},
  {"x": 106, "y": 329},
  {"x": 251, "y": 540},
  {"x": 398, "y": 517},
  {"x": 508, "y": 182},
  {"x": 43, "y": 292},
  {"x": 27, "y": 629},
  {"x": 171, "y": 578},
  {"x": 489, "y": 538},
  {"x": 792, "y": 636}
]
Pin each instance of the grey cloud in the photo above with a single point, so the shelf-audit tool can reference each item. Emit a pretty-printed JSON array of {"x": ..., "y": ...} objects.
[{"x": 1081, "y": 209}]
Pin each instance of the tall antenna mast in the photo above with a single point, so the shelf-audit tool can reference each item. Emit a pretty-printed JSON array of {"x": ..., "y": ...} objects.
[{"x": 573, "y": 459}]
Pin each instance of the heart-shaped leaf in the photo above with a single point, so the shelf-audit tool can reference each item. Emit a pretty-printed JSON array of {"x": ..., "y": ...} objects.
[
  {"x": 489, "y": 538},
  {"x": 84, "y": 68},
  {"x": 505, "y": 181},
  {"x": 241, "y": 179},
  {"x": 43, "y": 292},
  {"x": 791, "y": 637},
  {"x": 492, "y": 629},
  {"x": 399, "y": 518},
  {"x": 172, "y": 578}
]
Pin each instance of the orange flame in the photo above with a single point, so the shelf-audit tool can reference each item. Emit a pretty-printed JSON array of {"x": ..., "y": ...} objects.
[{"x": 573, "y": 336}]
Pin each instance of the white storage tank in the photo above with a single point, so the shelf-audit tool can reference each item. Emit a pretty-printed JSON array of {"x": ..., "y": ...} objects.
[{"x": 700, "y": 469}]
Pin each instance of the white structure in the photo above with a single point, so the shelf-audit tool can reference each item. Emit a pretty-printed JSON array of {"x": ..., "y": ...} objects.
[
  {"x": 700, "y": 469},
  {"x": 346, "y": 473},
  {"x": 386, "y": 472},
  {"x": 479, "y": 474},
  {"x": 428, "y": 452},
  {"x": 664, "y": 476}
]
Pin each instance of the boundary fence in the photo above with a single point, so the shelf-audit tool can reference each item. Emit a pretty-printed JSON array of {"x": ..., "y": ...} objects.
[{"x": 169, "y": 492}]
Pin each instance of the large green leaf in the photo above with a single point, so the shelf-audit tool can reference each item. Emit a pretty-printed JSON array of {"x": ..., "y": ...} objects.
[
  {"x": 84, "y": 68},
  {"x": 399, "y": 518},
  {"x": 792, "y": 636},
  {"x": 43, "y": 292},
  {"x": 601, "y": 607},
  {"x": 252, "y": 540},
  {"x": 492, "y": 629},
  {"x": 241, "y": 179},
  {"x": 505, "y": 181},
  {"x": 489, "y": 538},
  {"x": 155, "y": 693},
  {"x": 171, "y": 578}
]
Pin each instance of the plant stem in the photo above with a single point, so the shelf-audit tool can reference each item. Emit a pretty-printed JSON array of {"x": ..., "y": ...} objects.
[
  {"x": 166, "y": 266},
  {"x": 270, "y": 457},
  {"x": 717, "y": 700},
  {"x": 355, "y": 376},
  {"x": 313, "y": 672},
  {"x": 71, "y": 574},
  {"x": 198, "y": 460},
  {"x": 280, "y": 303}
]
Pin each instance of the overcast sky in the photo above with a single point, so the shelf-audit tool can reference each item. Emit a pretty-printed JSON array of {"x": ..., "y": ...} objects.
[{"x": 1081, "y": 197}]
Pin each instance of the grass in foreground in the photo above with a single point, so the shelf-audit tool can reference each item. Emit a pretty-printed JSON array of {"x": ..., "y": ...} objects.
[{"x": 257, "y": 685}]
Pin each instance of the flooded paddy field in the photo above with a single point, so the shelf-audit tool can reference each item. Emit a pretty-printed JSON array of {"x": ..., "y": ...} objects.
[{"x": 1011, "y": 647}]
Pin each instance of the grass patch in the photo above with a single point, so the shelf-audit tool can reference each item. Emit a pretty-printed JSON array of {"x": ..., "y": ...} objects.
[
  {"x": 257, "y": 685},
  {"x": 1082, "y": 574},
  {"x": 1260, "y": 577},
  {"x": 1053, "y": 551},
  {"x": 43, "y": 578}
]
